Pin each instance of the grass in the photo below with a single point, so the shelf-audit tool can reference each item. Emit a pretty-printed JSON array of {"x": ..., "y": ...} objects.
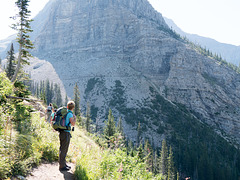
[
  {"x": 19, "y": 152},
  {"x": 94, "y": 162}
]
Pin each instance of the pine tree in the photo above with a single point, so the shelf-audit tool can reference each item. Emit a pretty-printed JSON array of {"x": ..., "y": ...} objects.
[
  {"x": 66, "y": 99},
  {"x": 120, "y": 127},
  {"x": 140, "y": 153},
  {"x": 129, "y": 147},
  {"x": 23, "y": 28},
  {"x": 42, "y": 92},
  {"x": 37, "y": 90},
  {"x": 110, "y": 127},
  {"x": 171, "y": 173},
  {"x": 76, "y": 100},
  {"x": 48, "y": 92},
  {"x": 58, "y": 96},
  {"x": 52, "y": 92},
  {"x": 148, "y": 153},
  {"x": 10, "y": 64},
  {"x": 155, "y": 163},
  {"x": 139, "y": 133},
  {"x": 163, "y": 162}
]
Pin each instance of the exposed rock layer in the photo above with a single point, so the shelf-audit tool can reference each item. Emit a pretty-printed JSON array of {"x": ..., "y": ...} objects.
[{"x": 124, "y": 47}]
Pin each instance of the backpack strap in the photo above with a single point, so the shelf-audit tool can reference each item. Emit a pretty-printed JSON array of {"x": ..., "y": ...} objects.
[{"x": 69, "y": 119}]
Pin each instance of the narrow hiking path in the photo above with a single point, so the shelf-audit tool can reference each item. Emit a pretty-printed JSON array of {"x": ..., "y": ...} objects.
[
  {"x": 81, "y": 144},
  {"x": 50, "y": 171}
]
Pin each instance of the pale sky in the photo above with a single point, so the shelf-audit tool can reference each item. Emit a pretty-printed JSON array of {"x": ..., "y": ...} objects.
[{"x": 217, "y": 19}]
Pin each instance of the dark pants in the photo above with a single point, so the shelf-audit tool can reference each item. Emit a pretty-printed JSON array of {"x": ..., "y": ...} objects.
[{"x": 64, "y": 144}]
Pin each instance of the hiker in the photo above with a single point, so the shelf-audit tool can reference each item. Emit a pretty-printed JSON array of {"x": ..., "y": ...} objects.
[
  {"x": 64, "y": 136},
  {"x": 52, "y": 115},
  {"x": 49, "y": 111}
]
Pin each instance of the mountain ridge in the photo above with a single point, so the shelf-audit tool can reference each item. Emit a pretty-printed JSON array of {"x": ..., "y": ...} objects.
[
  {"x": 227, "y": 51},
  {"x": 106, "y": 44}
]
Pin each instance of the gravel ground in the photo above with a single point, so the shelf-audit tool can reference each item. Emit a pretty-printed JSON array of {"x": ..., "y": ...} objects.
[{"x": 51, "y": 172}]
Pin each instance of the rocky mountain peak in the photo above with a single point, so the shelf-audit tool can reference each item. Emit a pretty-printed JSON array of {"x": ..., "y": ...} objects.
[
  {"x": 83, "y": 22},
  {"x": 98, "y": 43}
]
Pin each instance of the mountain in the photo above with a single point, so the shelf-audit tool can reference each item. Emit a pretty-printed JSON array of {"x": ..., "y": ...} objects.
[
  {"x": 126, "y": 44},
  {"x": 229, "y": 52},
  {"x": 38, "y": 24},
  {"x": 5, "y": 45},
  {"x": 40, "y": 70},
  {"x": 123, "y": 56}
]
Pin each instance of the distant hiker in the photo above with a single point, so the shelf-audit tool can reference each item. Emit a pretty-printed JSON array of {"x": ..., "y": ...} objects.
[
  {"x": 64, "y": 136},
  {"x": 53, "y": 115},
  {"x": 49, "y": 111}
]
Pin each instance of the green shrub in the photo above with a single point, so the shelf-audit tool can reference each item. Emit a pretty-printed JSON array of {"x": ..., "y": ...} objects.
[
  {"x": 81, "y": 173},
  {"x": 49, "y": 151},
  {"x": 111, "y": 165},
  {"x": 4, "y": 167},
  {"x": 47, "y": 138}
]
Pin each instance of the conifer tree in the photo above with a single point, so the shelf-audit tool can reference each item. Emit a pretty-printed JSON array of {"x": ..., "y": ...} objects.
[
  {"x": 66, "y": 100},
  {"x": 163, "y": 161},
  {"x": 52, "y": 92},
  {"x": 23, "y": 28},
  {"x": 42, "y": 92},
  {"x": 140, "y": 153},
  {"x": 148, "y": 153},
  {"x": 58, "y": 96},
  {"x": 10, "y": 63},
  {"x": 120, "y": 127},
  {"x": 97, "y": 125},
  {"x": 76, "y": 100},
  {"x": 139, "y": 133},
  {"x": 110, "y": 127},
  {"x": 37, "y": 90},
  {"x": 43, "y": 96},
  {"x": 129, "y": 147},
  {"x": 171, "y": 173},
  {"x": 155, "y": 163},
  {"x": 48, "y": 92}
]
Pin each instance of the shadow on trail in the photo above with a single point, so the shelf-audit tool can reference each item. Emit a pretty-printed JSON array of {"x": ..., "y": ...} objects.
[{"x": 68, "y": 175}]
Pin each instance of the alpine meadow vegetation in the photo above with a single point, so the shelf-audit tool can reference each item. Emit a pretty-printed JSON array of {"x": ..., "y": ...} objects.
[{"x": 27, "y": 140}]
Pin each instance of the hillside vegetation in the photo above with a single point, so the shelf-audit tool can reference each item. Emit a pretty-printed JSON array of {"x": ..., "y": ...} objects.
[{"x": 26, "y": 140}]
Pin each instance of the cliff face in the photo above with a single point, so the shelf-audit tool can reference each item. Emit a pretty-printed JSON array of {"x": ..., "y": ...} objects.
[{"x": 118, "y": 50}]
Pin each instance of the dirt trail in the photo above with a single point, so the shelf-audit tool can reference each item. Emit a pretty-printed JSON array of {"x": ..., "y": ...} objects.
[
  {"x": 48, "y": 171},
  {"x": 51, "y": 172}
]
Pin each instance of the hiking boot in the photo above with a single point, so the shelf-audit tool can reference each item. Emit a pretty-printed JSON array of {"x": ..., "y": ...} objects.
[
  {"x": 66, "y": 168},
  {"x": 69, "y": 167}
]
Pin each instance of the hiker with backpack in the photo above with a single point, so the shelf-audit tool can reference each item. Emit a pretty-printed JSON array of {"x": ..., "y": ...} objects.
[
  {"x": 63, "y": 122},
  {"x": 52, "y": 118},
  {"x": 49, "y": 111}
]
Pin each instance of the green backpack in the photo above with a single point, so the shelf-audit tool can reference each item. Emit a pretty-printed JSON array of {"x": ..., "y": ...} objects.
[{"x": 59, "y": 121}]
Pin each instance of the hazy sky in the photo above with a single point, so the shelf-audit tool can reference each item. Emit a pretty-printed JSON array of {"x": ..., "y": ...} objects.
[{"x": 217, "y": 19}]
